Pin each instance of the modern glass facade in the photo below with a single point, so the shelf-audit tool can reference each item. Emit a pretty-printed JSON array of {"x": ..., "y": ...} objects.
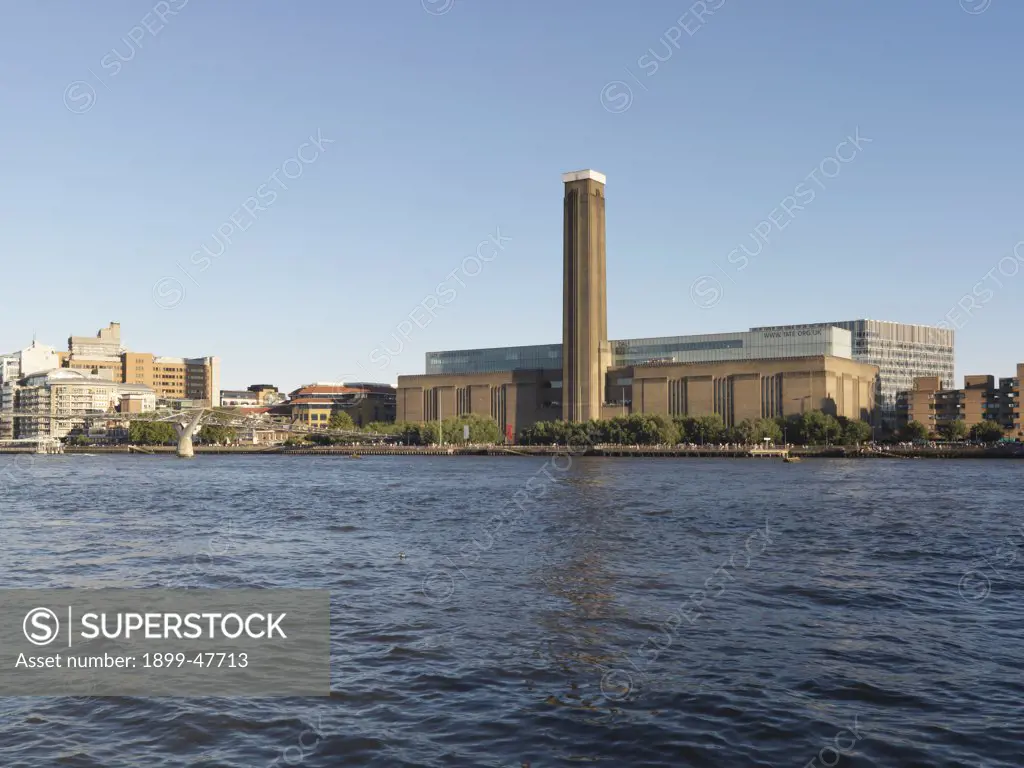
[
  {"x": 748, "y": 345},
  {"x": 495, "y": 359},
  {"x": 715, "y": 347},
  {"x": 902, "y": 353}
]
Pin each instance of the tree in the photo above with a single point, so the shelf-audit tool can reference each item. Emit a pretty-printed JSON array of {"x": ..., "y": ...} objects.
[
  {"x": 383, "y": 427},
  {"x": 856, "y": 431},
  {"x": 914, "y": 430},
  {"x": 744, "y": 432},
  {"x": 987, "y": 432},
  {"x": 701, "y": 429},
  {"x": 482, "y": 429},
  {"x": 769, "y": 428},
  {"x": 216, "y": 434},
  {"x": 151, "y": 433},
  {"x": 953, "y": 430},
  {"x": 818, "y": 428},
  {"x": 340, "y": 420}
]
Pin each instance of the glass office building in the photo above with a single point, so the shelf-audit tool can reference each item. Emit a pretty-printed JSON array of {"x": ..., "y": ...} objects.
[
  {"x": 902, "y": 352},
  {"x": 714, "y": 347}
]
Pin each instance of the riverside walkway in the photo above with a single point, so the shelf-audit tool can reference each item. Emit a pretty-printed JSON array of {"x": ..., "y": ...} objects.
[{"x": 1008, "y": 451}]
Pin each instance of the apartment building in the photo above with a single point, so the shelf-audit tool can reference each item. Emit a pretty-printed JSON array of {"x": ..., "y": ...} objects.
[
  {"x": 980, "y": 400},
  {"x": 32, "y": 359},
  {"x": 60, "y": 400}
]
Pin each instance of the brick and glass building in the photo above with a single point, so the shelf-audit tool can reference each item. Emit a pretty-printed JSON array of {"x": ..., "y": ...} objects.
[
  {"x": 763, "y": 372},
  {"x": 195, "y": 379}
]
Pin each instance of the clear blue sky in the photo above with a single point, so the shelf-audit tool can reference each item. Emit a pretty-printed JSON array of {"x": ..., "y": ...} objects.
[{"x": 449, "y": 125}]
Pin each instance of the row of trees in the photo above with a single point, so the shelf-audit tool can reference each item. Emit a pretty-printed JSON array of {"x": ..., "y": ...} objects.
[
  {"x": 163, "y": 433},
  {"x": 811, "y": 428},
  {"x": 985, "y": 432},
  {"x": 482, "y": 429},
  {"x": 151, "y": 433}
]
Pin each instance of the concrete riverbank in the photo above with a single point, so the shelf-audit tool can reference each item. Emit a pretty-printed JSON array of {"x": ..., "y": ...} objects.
[{"x": 1008, "y": 451}]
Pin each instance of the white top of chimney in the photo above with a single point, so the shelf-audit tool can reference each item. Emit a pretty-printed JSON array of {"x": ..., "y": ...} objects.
[{"x": 581, "y": 175}]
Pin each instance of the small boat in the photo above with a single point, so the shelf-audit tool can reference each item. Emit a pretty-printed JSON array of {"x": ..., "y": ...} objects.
[
  {"x": 791, "y": 459},
  {"x": 354, "y": 456}
]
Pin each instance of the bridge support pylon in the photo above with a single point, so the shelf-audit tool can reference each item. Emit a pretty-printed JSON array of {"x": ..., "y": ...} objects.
[{"x": 186, "y": 430}]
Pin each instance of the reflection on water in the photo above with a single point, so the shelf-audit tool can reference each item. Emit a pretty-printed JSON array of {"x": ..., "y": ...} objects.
[{"x": 644, "y": 612}]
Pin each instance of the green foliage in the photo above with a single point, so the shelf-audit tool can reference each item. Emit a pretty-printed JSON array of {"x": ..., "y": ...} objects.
[
  {"x": 811, "y": 428},
  {"x": 987, "y": 432},
  {"x": 341, "y": 420},
  {"x": 953, "y": 430},
  {"x": 557, "y": 433},
  {"x": 856, "y": 431},
  {"x": 701, "y": 429},
  {"x": 151, "y": 433},
  {"x": 383, "y": 427},
  {"x": 763, "y": 428},
  {"x": 215, "y": 434},
  {"x": 818, "y": 428},
  {"x": 482, "y": 429},
  {"x": 639, "y": 429},
  {"x": 914, "y": 430},
  {"x": 324, "y": 439}
]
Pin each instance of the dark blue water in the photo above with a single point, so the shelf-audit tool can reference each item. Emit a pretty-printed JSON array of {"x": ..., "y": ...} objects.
[{"x": 616, "y": 612}]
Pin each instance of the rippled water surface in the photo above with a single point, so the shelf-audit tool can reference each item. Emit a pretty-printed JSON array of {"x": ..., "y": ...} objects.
[{"x": 613, "y": 612}]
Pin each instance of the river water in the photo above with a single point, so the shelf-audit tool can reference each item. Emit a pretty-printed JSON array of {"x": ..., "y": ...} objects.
[{"x": 611, "y": 612}]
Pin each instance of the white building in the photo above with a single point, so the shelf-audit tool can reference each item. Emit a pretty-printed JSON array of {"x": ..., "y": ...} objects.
[
  {"x": 231, "y": 398},
  {"x": 135, "y": 398},
  {"x": 32, "y": 359},
  {"x": 61, "y": 399}
]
